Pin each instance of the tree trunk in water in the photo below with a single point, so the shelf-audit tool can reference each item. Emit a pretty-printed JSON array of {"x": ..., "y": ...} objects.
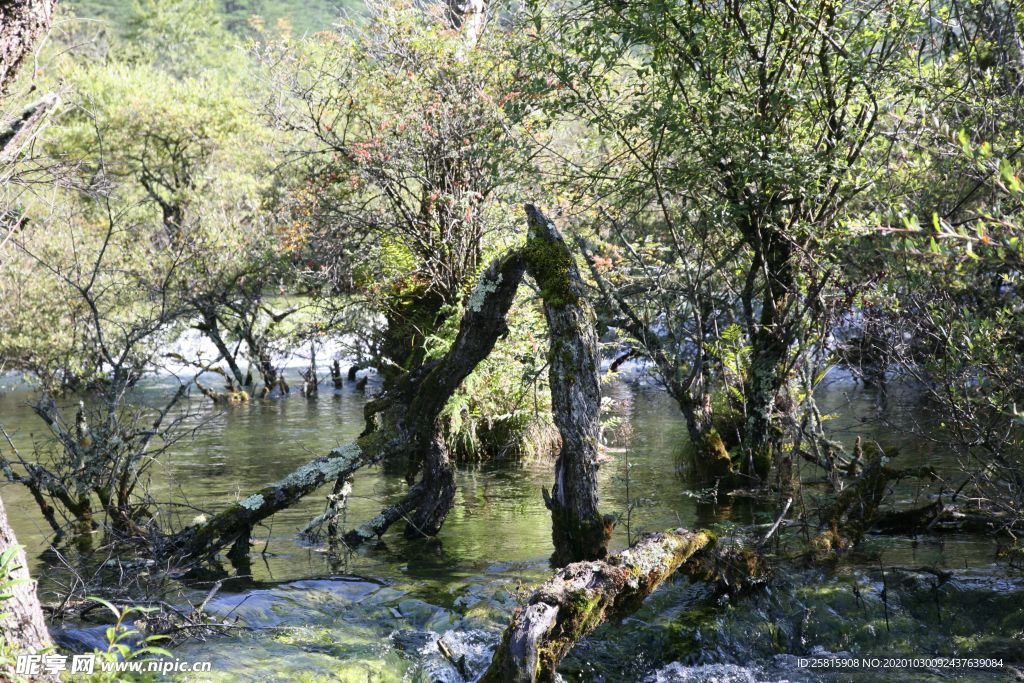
[
  {"x": 439, "y": 490},
  {"x": 404, "y": 421},
  {"x": 22, "y": 23},
  {"x": 711, "y": 460},
  {"x": 710, "y": 456},
  {"x": 769, "y": 355},
  {"x": 211, "y": 328},
  {"x": 401, "y": 422},
  {"x": 578, "y": 529},
  {"x": 25, "y": 627},
  {"x": 584, "y": 595}
]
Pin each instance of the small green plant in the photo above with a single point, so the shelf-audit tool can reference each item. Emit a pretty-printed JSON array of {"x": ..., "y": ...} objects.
[
  {"x": 120, "y": 651},
  {"x": 617, "y": 423},
  {"x": 521, "y": 594}
]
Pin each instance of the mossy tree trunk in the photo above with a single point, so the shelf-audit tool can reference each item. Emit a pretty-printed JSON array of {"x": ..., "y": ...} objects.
[
  {"x": 843, "y": 522},
  {"x": 583, "y": 595},
  {"x": 770, "y": 349},
  {"x": 24, "y": 626},
  {"x": 711, "y": 460},
  {"x": 578, "y": 529}
]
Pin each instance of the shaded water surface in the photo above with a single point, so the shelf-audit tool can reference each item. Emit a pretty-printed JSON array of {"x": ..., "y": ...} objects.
[{"x": 390, "y": 610}]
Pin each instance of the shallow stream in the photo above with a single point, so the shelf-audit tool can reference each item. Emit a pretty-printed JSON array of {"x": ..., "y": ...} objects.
[{"x": 377, "y": 615}]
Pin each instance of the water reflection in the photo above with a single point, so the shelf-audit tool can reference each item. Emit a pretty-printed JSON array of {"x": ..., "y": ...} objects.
[{"x": 390, "y": 611}]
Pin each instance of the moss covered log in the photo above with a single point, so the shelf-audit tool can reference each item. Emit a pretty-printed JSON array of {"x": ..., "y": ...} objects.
[
  {"x": 581, "y": 597},
  {"x": 235, "y": 524}
]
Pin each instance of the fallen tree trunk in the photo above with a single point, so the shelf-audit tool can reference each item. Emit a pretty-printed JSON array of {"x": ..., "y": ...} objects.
[
  {"x": 578, "y": 530},
  {"x": 235, "y": 524},
  {"x": 584, "y": 595},
  {"x": 843, "y": 522},
  {"x": 401, "y": 422}
]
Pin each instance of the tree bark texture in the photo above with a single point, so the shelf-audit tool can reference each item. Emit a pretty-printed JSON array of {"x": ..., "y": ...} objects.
[
  {"x": 578, "y": 529},
  {"x": 582, "y": 596},
  {"x": 17, "y": 133},
  {"x": 22, "y": 23},
  {"x": 24, "y": 625},
  {"x": 770, "y": 349}
]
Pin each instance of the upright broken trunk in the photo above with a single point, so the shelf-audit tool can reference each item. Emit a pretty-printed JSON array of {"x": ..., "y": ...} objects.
[
  {"x": 427, "y": 504},
  {"x": 23, "y": 625},
  {"x": 579, "y": 531}
]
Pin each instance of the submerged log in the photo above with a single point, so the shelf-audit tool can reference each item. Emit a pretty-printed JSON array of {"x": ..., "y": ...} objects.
[
  {"x": 843, "y": 522},
  {"x": 579, "y": 531},
  {"x": 235, "y": 524},
  {"x": 583, "y": 595}
]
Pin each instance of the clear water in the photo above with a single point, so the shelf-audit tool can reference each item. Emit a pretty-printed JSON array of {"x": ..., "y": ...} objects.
[{"x": 378, "y": 614}]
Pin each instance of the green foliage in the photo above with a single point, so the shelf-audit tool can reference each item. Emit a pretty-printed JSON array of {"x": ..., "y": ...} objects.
[
  {"x": 413, "y": 168},
  {"x": 304, "y": 17},
  {"x": 166, "y": 193},
  {"x": 120, "y": 651},
  {"x": 181, "y": 36},
  {"x": 503, "y": 409},
  {"x": 724, "y": 147}
]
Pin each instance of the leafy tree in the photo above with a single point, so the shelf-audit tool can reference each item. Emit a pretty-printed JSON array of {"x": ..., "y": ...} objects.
[
  {"x": 734, "y": 140},
  {"x": 411, "y": 162}
]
